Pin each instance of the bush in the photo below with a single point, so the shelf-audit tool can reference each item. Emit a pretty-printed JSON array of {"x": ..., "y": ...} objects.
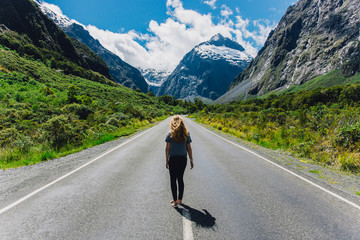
[
  {"x": 8, "y": 135},
  {"x": 72, "y": 94},
  {"x": 56, "y": 131},
  {"x": 48, "y": 91},
  {"x": 348, "y": 136},
  {"x": 24, "y": 144},
  {"x": 350, "y": 161}
]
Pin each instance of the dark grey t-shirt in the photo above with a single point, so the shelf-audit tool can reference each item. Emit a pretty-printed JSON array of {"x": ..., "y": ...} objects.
[{"x": 178, "y": 149}]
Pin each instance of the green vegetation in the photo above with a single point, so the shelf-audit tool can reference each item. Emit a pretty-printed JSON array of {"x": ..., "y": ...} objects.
[
  {"x": 46, "y": 114},
  {"x": 321, "y": 124},
  {"x": 330, "y": 79},
  {"x": 23, "y": 45}
]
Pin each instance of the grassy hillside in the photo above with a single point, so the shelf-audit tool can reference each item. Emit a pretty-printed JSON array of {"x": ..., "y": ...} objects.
[
  {"x": 23, "y": 45},
  {"x": 44, "y": 39},
  {"x": 45, "y": 113},
  {"x": 322, "y": 124},
  {"x": 330, "y": 79}
]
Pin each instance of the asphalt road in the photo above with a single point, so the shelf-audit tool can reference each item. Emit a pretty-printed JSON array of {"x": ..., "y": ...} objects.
[{"x": 125, "y": 193}]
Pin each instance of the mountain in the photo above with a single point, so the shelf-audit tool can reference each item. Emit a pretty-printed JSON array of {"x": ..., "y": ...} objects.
[
  {"x": 313, "y": 38},
  {"x": 120, "y": 71},
  {"x": 29, "y": 31},
  {"x": 154, "y": 78},
  {"x": 207, "y": 70}
]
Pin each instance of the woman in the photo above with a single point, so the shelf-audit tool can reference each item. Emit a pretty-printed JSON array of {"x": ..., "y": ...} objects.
[{"x": 177, "y": 147}]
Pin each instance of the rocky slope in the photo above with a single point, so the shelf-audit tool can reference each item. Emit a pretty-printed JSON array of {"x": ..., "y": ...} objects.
[
  {"x": 313, "y": 38},
  {"x": 120, "y": 71},
  {"x": 207, "y": 70}
]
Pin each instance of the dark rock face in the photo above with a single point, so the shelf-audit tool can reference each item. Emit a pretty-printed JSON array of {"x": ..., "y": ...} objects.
[
  {"x": 207, "y": 70},
  {"x": 313, "y": 38}
]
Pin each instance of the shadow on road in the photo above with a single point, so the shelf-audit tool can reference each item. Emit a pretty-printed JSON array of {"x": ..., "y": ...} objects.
[{"x": 201, "y": 219}]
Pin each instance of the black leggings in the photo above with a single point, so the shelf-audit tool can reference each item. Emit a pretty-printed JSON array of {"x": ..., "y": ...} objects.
[{"x": 177, "y": 167}]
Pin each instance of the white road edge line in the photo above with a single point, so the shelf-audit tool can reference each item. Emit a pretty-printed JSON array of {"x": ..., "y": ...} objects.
[
  {"x": 187, "y": 230},
  {"x": 68, "y": 174},
  {"x": 277, "y": 165}
]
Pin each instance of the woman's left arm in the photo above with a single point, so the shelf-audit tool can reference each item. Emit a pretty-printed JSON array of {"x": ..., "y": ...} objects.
[
  {"x": 167, "y": 153},
  {"x": 189, "y": 149}
]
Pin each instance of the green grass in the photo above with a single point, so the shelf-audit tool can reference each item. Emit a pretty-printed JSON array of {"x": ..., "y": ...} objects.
[
  {"x": 331, "y": 79},
  {"x": 45, "y": 114},
  {"x": 318, "y": 125}
]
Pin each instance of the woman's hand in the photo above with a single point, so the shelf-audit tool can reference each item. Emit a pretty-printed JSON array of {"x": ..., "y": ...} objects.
[
  {"x": 191, "y": 164},
  {"x": 167, "y": 164}
]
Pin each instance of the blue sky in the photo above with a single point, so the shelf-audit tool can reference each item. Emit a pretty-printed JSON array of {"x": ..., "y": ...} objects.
[{"x": 158, "y": 33}]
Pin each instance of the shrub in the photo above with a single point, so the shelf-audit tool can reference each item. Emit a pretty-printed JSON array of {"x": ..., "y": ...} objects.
[
  {"x": 348, "y": 136},
  {"x": 113, "y": 121},
  {"x": 81, "y": 111},
  {"x": 8, "y": 136},
  {"x": 24, "y": 144},
  {"x": 304, "y": 149},
  {"x": 48, "y": 91},
  {"x": 350, "y": 161},
  {"x": 56, "y": 131},
  {"x": 72, "y": 94}
]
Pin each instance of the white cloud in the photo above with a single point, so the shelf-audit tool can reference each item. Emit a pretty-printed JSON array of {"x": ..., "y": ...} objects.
[
  {"x": 123, "y": 45},
  {"x": 211, "y": 3},
  {"x": 226, "y": 11},
  {"x": 167, "y": 42}
]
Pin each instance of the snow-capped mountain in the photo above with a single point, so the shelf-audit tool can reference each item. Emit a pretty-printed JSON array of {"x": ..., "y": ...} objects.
[
  {"x": 220, "y": 48},
  {"x": 207, "y": 70},
  {"x": 119, "y": 70},
  {"x": 61, "y": 20},
  {"x": 154, "y": 78}
]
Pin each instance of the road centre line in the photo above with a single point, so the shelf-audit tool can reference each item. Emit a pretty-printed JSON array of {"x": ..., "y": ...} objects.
[
  {"x": 187, "y": 230},
  {"x": 277, "y": 165},
  {"x": 68, "y": 174}
]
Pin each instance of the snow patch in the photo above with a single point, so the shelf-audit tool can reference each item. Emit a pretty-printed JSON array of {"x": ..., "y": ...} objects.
[
  {"x": 233, "y": 56},
  {"x": 154, "y": 77},
  {"x": 55, "y": 13}
]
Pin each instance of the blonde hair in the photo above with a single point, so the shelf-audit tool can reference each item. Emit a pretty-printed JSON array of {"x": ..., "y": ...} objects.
[{"x": 178, "y": 132}]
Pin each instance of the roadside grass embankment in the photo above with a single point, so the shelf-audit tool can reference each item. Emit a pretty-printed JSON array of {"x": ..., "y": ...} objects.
[
  {"x": 322, "y": 125},
  {"x": 45, "y": 114}
]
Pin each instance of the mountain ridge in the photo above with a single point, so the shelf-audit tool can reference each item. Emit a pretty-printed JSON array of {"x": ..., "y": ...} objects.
[{"x": 119, "y": 70}]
